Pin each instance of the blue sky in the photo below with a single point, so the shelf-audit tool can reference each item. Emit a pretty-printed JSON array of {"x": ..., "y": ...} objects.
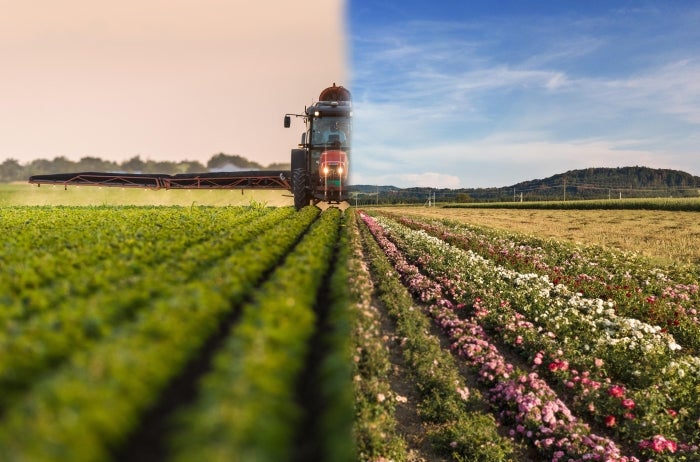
[{"x": 481, "y": 93}]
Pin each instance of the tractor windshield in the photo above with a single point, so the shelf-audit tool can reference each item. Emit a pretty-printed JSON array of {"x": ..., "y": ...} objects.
[{"x": 334, "y": 131}]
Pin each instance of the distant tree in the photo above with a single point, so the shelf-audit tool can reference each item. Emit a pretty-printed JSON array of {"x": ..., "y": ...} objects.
[
  {"x": 11, "y": 170},
  {"x": 222, "y": 160},
  {"x": 190, "y": 166},
  {"x": 167, "y": 167},
  {"x": 95, "y": 164},
  {"x": 462, "y": 197},
  {"x": 279, "y": 166},
  {"x": 133, "y": 165}
]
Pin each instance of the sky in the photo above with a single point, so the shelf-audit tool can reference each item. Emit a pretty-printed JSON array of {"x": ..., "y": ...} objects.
[
  {"x": 163, "y": 79},
  {"x": 459, "y": 93},
  {"x": 449, "y": 93}
]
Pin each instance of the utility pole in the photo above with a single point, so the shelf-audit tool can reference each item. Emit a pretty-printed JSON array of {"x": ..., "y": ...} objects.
[{"x": 564, "y": 188}]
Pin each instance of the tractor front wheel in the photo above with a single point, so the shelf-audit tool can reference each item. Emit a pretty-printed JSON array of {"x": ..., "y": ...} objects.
[{"x": 300, "y": 179}]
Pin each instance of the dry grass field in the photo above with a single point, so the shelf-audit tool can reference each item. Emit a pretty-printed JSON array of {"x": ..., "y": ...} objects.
[{"x": 666, "y": 237}]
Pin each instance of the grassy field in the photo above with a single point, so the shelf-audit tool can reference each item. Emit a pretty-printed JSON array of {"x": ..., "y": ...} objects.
[
  {"x": 27, "y": 194},
  {"x": 665, "y": 236}
]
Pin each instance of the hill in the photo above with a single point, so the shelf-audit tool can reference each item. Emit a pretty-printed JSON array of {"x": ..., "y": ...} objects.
[{"x": 590, "y": 183}]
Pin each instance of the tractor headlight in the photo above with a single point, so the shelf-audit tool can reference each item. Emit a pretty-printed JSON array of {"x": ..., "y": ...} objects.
[
  {"x": 340, "y": 170},
  {"x": 325, "y": 170}
]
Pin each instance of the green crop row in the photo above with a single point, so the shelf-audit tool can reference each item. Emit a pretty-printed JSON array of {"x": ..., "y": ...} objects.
[
  {"x": 376, "y": 434},
  {"x": 247, "y": 409},
  {"x": 86, "y": 408},
  {"x": 49, "y": 336}
]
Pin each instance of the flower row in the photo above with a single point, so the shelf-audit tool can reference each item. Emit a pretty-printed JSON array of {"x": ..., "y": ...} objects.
[
  {"x": 572, "y": 440},
  {"x": 456, "y": 423},
  {"x": 662, "y": 380},
  {"x": 638, "y": 289}
]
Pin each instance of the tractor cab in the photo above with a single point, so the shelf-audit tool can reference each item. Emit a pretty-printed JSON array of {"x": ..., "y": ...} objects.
[{"x": 321, "y": 164}]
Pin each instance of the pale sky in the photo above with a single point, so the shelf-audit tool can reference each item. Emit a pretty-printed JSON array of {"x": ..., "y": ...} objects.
[{"x": 163, "y": 79}]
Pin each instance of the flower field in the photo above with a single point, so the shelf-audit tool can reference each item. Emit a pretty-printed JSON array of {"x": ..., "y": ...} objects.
[
  {"x": 583, "y": 354},
  {"x": 257, "y": 333}
]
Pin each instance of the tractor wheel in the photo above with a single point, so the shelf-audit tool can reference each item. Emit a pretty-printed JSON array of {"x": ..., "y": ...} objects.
[
  {"x": 300, "y": 179},
  {"x": 301, "y": 192}
]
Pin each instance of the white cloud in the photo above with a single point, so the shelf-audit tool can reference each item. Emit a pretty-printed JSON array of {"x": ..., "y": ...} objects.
[{"x": 434, "y": 98}]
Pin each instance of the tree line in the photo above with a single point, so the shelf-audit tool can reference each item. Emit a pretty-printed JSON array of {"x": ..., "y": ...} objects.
[
  {"x": 13, "y": 170},
  {"x": 583, "y": 184}
]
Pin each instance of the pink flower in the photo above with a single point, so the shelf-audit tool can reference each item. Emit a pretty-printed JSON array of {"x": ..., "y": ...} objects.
[
  {"x": 671, "y": 412},
  {"x": 628, "y": 403},
  {"x": 558, "y": 365},
  {"x": 659, "y": 444},
  {"x": 610, "y": 421},
  {"x": 616, "y": 391}
]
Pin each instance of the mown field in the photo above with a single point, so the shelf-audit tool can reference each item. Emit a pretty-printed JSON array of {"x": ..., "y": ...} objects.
[{"x": 258, "y": 333}]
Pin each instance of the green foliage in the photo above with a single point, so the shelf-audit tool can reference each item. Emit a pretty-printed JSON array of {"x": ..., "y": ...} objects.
[
  {"x": 247, "y": 409},
  {"x": 130, "y": 305},
  {"x": 375, "y": 431}
]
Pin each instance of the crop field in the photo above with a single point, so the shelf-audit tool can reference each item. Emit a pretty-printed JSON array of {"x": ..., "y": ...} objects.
[
  {"x": 253, "y": 333},
  {"x": 156, "y": 333},
  {"x": 45, "y": 195}
]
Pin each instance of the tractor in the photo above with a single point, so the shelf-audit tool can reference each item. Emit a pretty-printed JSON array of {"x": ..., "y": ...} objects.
[
  {"x": 320, "y": 163},
  {"x": 319, "y": 166}
]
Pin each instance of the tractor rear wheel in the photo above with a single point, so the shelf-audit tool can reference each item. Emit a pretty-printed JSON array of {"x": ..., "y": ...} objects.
[{"x": 300, "y": 179}]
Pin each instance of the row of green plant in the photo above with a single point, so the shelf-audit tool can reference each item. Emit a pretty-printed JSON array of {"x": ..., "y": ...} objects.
[
  {"x": 335, "y": 427},
  {"x": 47, "y": 251},
  {"x": 88, "y": 406},
  {"x": 628, "y": 375},
  {"x": 454, "y": 415},
  {"x": 42, "y": 338},
  {"x": 375, "y": 428},
  {"x": 247, "y": 408},
  {"x": 688, "y": 204}
]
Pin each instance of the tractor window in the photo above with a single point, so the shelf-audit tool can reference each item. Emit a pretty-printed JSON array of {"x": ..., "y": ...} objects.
[{"x": 331, "y": 130}]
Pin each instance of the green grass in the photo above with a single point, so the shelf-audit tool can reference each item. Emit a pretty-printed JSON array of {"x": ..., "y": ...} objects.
[
  {"x": 690, "y": 204},
  {"x": 27, "y": 194}
]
